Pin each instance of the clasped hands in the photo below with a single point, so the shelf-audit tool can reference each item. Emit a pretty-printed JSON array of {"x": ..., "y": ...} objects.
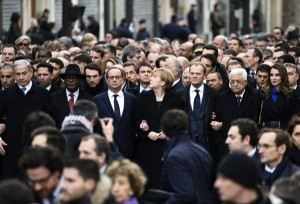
[{"x": 152, "y": 135}]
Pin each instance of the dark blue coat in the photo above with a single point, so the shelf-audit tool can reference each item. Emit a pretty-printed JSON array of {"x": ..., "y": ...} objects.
[
  {"x": 187, "y": 171},
  {"x": 123, "y": 133}
]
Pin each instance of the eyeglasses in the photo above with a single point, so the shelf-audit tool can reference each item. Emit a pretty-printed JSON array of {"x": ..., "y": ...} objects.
[
  {"x": 40, "y": 181},
  {"x": 265, "y": 146},
  {"x": 114, "y": 77},
  {"x": 238, "y": 82},
  {"x": 23, "y": 44}
]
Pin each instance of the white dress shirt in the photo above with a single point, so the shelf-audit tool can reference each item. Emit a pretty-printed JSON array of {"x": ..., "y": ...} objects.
[
  {"x": 193, "y": 94},
  {"x": 120, "y": 100}
]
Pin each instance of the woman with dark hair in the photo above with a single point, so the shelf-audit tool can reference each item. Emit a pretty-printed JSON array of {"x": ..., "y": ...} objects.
[
  {"x": 294, "y": 131},
  {"x": 151, "y": 106},
  {"x": 280, "y": 101},
  {"x": 15, "y": 29}
]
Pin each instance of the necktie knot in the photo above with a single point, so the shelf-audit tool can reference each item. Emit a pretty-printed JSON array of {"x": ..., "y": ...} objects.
[
  {"x": 197, "y": 91},
  {"x": 116, "y": 96},
  {"x": 252, "y": 74}
]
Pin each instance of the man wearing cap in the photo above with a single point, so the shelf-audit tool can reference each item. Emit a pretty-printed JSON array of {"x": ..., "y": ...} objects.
[
  {"x": 63, "y": 100},
  {"x": 238, "y": 180},
  {"x": 17, "y": 103},
  {"x": 142, "y": 34},
  {"x": 198, "y": 48}
]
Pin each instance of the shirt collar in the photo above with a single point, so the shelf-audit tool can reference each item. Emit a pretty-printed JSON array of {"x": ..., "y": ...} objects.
[
  {"x": 28, "y": 86},
  {"x": 241, "y": 95},
  {"x": 201, "y": 88},
  {"x": 111, "y": 94}
]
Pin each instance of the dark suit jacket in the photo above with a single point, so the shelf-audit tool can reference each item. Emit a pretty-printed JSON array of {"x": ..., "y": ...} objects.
[
  {"x": 227, "y": 110},
  {"x": 16, "y": 106},
  {"x": 177, "y": 86},
  {"x": 208, "y": 98},
  {"x": 54, "y": 88},
  {"x": 187, "y": 171},
  {"x": 298, "y": 101},
  {"x": 123, "y": 133},
  {"x": 282, "y": 110},
  {"x": 149, "y": 153},
  {"x": 61, "y": 105}
]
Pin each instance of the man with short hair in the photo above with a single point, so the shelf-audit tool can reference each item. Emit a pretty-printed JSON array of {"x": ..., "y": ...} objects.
[
  {"x": 17, "y": 103},
  {"x": 249, "y": 43},
  {"x": 80, "y": 181},
  {"x": 144, "y": 73},
  {"x": 273, "y": 146},
  {"x": 130, "y": 70},
  {"x": 57, "y": 65},
  {"x": 8, "y": 53},
  {"x": 7, "y": 76},
  {"x": 243, "y": 136},
  {"x": 152, "y": 57},
  {"x": 93, "y": 83},
  {"x": 278, "y": 53},
  {"x": 239, "y": 180},
  {"x": 64, "y": 99},
  {"x": 45, "y": 76},
  {"x": 175, "y": 67},
  {"x": 181, "y": 153},
  {"x": 132, "y": 53},
  {"x": 262, "y": 75},
  {"x": 98, "y": 149},
  {"x": 199, "y": 99},
  {"x": 96, "y": 54},
  {"x": 261, "y": 43},
  {"x": 236, "y": 45},
  {"x": 220, "y": 41},
  {"x": 186, "y": 50},
  {"x": 237, "y": 102},
  {"x": 46, "y": 136},
  {"x": 252, "y": 59},
  {"x": 119, "y": 105},
  {"x": 214, "y": 80},
  {"x": 43, "y": 168},
  {"x": 82, "y": 60},
  {"x": 293, "y": 77}
]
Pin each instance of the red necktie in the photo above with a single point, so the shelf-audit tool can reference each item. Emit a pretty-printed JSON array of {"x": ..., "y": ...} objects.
[{"x": 71, "y": 101}]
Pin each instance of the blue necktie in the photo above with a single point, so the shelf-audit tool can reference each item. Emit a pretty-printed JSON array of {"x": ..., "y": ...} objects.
[
  {"x": 117, "y": 107},
  {"x": 197, "y": 103},
  {"x": 238, "y": 100},
  {"x": 23, "y": 89}
]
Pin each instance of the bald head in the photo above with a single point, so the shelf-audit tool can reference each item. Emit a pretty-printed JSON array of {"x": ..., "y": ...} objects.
[{"x": 186, "y": 50}]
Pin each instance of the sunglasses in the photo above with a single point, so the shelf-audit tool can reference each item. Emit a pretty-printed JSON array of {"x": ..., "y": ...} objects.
[{"x": 23, "y": 44}]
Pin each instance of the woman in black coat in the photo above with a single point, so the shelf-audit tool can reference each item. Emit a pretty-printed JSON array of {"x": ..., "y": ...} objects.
[
  {"x": 150, "y": 108},
  {"x": 280, "y": 101}
]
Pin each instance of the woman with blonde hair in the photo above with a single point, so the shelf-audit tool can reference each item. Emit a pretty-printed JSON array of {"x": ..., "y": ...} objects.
[
  {"x": 128, "y": 181},
  {"x": 150, "y": 107}
]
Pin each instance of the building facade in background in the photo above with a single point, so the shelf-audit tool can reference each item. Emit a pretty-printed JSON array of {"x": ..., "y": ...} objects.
[{"x": 243, "y": 16}]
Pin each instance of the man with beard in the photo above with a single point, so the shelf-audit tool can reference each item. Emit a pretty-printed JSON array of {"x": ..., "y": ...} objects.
[{"x": 93, "y": 83}]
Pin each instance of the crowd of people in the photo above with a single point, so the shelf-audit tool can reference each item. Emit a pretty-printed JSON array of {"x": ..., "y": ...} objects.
[{"x": 161, "y": 120}]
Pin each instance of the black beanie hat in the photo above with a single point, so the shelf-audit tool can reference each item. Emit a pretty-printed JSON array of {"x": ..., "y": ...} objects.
[{"x": 242, "y": 169}]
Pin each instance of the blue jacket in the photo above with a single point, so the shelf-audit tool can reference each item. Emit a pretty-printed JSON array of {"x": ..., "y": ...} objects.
[{"x": 187, "y": 171}]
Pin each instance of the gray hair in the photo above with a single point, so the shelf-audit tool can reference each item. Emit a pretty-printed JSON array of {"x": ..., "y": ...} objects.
[
  {"x": 238, "y": 71},
  {"x": 177, "y": 66},
  {"x": 131, "y": 51},
  {"x": 22, "y": 62},
  {"x": 7, "y": 67}
]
